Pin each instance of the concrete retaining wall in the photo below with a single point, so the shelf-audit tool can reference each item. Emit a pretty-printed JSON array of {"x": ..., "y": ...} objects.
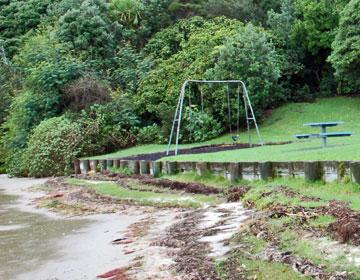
[{"x": 327, "y": 171}]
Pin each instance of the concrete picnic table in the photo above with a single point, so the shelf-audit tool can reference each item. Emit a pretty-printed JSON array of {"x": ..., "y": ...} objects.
[{"x": 324, "y": 135}]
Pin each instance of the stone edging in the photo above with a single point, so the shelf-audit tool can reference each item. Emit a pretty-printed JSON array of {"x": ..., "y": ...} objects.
[{"x": 309, "y": 170}]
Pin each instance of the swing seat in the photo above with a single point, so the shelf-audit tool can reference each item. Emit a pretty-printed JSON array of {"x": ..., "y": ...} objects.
[{"x": 235, "y": 138}]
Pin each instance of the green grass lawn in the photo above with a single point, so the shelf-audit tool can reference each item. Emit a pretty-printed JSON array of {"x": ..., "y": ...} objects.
[
  {"x": 162, "y": 199},
  {"x": 287, "y": 121},
  {"x": 281, "y": 126}
]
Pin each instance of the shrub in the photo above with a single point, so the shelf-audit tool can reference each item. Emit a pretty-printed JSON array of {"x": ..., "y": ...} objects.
[
  {"x": 199, "y": 126},
  {"x": 149, "y": 134},
  {"x": 46, "y": 64},
  {"x": 52, "y": 147},
  {"x": 17, "y": 17},
  {"x": 109, "y": 127}
]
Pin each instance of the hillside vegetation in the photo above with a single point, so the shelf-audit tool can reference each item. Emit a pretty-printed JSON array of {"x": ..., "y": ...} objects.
[{"x": 80, "y": 78}]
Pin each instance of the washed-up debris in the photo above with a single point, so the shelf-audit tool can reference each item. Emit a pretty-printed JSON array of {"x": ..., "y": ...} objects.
[
  {"x": 201, "y": 238},
  {"x": 234, "y": 194},
  {"x": 116, "y": 274},
  {"x": 301, "y": 265},
  {"x": 289, "y": 192},
  {"x": 191, "y": 256},
  {"x": 195, "y": 188},
  {"x": 122, "y": 241},
  {"x": 347, "y": 225}
]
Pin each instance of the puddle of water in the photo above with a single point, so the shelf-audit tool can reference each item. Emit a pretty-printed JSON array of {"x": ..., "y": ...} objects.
[
  {"x": 11, "y": 227},
  {"x": 232, "y": 215},
  {"x": 35, "y": 245}
]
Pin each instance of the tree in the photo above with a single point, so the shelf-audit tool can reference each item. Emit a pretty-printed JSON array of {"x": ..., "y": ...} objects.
[
  {"x": 346, "y": 49},
  {"x": 17, "y": 17},
  {"x": 128, "y": 12},
  {"x": 281, "y": 25},
  {"x": 46, "y": 63},
  {"x": 192, "y": 52},
  {"x": 316, "y": 23},
  {"x": 313, "y": 32},
  {"x": 89, "y": 30},
  {"x": 250, "y": 56}
]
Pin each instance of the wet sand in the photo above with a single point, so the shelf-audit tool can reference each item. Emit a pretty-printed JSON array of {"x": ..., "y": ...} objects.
[{"x": 37, "y": 244}]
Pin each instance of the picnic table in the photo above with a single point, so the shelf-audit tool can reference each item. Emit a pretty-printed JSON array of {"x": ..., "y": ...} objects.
[{"x": 324, "y": 135}]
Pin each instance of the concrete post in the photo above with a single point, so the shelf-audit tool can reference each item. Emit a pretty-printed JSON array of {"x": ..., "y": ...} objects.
[
  {"x": 234, "y": 172},
  {"x": 355, "y": 172},
  {"x": 84, "y": 166},
  {"x": 124, "y": 164},
  {"x": 133, "y": 166},
  {"x": 109, "y": 164},
  {"x": 266, "y": 170},
  {"x": 171, "y": 167},
  {"x": 102, "y": 164},
  {"x": 94, "y": 165},
  {"x": 116, "y": 163},
  {"x": 313, "y": 171},
  {"x": 144, "y": 167},
  {"x": 156, "y": 168},
  {"x": 202, "y": 168}
]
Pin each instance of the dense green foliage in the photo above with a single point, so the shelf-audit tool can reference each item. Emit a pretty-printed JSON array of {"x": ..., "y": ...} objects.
[
  {"x": 250, "y": 56},
  {"x": 112, "y": 70},
  {"x": 52, "y": 147},
  {"x": 346, "y": 49},
  {"x": 199, "y": 126}
]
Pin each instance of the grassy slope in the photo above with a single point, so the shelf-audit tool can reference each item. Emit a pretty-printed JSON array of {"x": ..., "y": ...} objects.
[
  {"x": 281, "y": 126},
  {"x": 287, "y": 121}
]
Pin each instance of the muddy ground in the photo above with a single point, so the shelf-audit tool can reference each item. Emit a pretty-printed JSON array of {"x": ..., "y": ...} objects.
[{"x": 188, "y": 244}]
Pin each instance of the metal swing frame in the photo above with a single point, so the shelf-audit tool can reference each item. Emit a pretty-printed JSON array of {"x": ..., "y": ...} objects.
[{"x": 249, "y": 112}]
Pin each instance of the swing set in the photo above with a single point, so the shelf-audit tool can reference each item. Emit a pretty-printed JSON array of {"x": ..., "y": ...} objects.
[{"x": 249, "y": 112}]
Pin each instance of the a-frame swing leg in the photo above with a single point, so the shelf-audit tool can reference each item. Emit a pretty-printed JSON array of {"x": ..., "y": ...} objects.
[
  {"x": 250, "y": 116},
  {"x": 176, "y": 117},
  {"x": 177, "y": 121}
]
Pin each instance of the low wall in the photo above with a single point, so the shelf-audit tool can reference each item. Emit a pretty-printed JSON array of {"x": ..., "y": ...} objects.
[{"x": 327, "y": 171}]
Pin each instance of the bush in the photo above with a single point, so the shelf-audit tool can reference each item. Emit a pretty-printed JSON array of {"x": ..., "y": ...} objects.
[
  {"x": 199, "y": 126},
  {"x": 149, "y": 134},
  {"x": 52, "y": 147},
  {"x": 109, "y": 127}
]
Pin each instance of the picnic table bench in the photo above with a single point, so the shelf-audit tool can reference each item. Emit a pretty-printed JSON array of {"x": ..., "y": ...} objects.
[{"x": 324, "y": 135}]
